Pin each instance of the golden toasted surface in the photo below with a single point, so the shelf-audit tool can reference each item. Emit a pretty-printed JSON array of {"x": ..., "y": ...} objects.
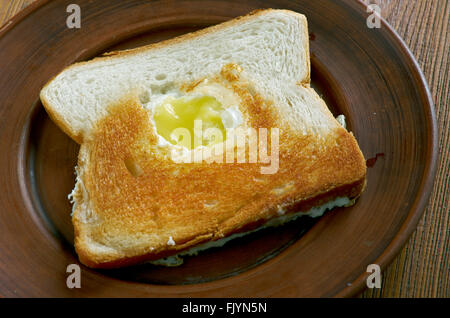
[{"x": 142, "y": 199}]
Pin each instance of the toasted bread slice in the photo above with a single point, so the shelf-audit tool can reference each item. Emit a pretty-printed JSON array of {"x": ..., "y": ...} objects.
[{"x": 134, "y": 203}]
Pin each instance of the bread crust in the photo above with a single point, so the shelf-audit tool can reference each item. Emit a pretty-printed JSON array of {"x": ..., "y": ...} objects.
[
  {"x": 146, "y": 210},
  {"x": 59, "y": 120}
]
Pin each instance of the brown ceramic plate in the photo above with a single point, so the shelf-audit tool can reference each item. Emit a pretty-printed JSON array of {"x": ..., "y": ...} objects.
[{"x": 367, "y": 74}]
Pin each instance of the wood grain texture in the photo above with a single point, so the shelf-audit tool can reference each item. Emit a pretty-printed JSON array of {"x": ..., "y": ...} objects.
[{"x": 422, "y": 268}]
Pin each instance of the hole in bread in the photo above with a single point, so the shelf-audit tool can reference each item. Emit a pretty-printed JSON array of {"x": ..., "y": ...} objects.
[
  {"x": 160, "y": 77},
  {"x": 133, "y": 168},
  {"x": 89, "y": 81}
]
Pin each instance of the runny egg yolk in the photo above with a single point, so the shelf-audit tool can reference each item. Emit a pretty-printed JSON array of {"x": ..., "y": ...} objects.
[{"x": 177, "y": 116}]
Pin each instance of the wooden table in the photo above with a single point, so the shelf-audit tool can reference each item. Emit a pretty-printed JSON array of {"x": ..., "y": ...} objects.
[{"x": 422, "y": 268}]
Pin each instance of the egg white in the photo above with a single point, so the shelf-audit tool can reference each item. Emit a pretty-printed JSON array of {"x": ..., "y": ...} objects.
[{"x": 231, "y": 115}]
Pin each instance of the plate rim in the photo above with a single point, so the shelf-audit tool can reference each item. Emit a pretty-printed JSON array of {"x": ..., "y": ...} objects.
[{"x": 420, "y": 203}]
